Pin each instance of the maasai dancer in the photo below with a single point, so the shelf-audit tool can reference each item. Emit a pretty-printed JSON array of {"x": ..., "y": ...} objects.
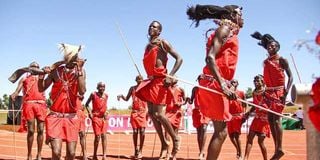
[
  {"x": 34, "y": 108},
  {"x": 234, "y": 125},
  {"x": 200, "y": 122},
  {"x": 173, "y": 110},
  {"x": 138, "y": 118},
  {"x": 274, "y": 71},
  {"x": 260, "y": 124},
  {"x": 221, "y": 60},
  {"x": 155, "y": 89},
  {"x": 98, "y": 116},
  {"x": 62, "y": 123}
]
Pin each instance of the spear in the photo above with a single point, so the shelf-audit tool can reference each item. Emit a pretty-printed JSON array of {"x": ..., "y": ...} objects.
[{"x": 126, "y": 45}]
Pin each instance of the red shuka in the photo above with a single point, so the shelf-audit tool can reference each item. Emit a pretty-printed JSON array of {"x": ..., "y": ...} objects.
[
  {"x": 99, "y": 107},
  {"x": 64, "y": 92},
  {"x": 236, "y": 109},
  {"x": 34, "y": 102},
  {"x": 138, "y": 118},
  {"x": 173, "y": 109},
  {"x": 213, "y": 105},
  {"x": 197, "y": 117},
  {"x": 274, "y": 76},
  {"x": 99, "y": 104},
  {"x": 260, "y": 122},
  {"x": 64, "y": 95},
  {"x": 153, "y": 90}
]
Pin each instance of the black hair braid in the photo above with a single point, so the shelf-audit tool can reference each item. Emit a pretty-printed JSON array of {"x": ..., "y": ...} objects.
[
  {"x": 202, "y": 12},
  {"x": 265, "y": 39}
]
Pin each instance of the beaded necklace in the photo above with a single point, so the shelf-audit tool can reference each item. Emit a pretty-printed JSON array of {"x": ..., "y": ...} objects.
[{"x": 234, "y": 28}]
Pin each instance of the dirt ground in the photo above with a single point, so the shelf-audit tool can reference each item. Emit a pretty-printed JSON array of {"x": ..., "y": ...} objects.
[{"x": 120, "y": 146}]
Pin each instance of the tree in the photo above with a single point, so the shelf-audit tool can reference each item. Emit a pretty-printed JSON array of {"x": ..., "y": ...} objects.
[
  {"x": 5, "y": 101},
  {"x": 249, "y": 92},
  {"x": 1, "y": 104}
]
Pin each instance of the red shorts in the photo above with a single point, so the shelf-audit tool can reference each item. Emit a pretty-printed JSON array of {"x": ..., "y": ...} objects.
[
  {"x": 153, "y": 91},
  {"x": 32, "y": 110},
  {"x": 198, "y": 118},
  {"x": 260, "y": 126},
  {"x": 65, "y": 128},
  {"x": 138, "y": 118},
  {"x": 174, "y": 117},
  {"x": 99, "y": 125},
  {"x": 234, "y": 125},
  {"x": 82, "y": 119},
  {"x": 213, "y": 105},
  {"x": 274, "y": 101}
]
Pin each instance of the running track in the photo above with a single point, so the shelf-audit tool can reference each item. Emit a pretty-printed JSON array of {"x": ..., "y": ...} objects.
[{"x": 120, "y": 146}]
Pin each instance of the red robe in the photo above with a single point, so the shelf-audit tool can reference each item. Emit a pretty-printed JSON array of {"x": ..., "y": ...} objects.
[
  {"x": 99, "y": 107},
  {"x": 213, "y": 105},
  {"x": 173, "y": 109},
  {"x": 274, "y": 79},
  {"x": 236, "y": 109},
  {"x": 198, "y": 118},
  {"x": 314, "y": 111},
  {"x": 138, "y": 118},
  {"x": 260, "y": 122},
  {"x": 34, "y": 102},
  {"x": 64, "y": 92},
  {"x": 63, "y": 122},
  {"x": 152, "y": 90}
]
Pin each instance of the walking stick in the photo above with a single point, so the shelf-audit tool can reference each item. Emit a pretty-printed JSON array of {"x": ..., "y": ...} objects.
[{"x": 238, "y": 99}]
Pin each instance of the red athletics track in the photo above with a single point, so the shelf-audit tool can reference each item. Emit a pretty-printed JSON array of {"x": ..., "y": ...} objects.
[{"x": 120, "y": 147}]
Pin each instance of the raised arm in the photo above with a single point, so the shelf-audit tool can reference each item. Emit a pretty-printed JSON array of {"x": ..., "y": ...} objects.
[
  {"x": 82, "y": 82},
  {"x": 43, "y": 84}
]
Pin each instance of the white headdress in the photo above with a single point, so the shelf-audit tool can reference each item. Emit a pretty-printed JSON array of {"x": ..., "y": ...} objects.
[{"x": 69, "y": 51}]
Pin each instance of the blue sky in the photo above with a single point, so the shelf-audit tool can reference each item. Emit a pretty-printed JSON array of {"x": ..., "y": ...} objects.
[{"x": 31, "y": 30}]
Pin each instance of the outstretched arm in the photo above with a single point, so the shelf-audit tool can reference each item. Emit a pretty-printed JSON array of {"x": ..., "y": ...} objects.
[
  {"x": 43, "y": 84},
  {"x": 128, "y": 95}
]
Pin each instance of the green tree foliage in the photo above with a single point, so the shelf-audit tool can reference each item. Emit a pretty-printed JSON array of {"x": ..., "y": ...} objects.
[
  {"x": 249, "y": 92},
  {"x": 5, "y": 101},
  {"x": 1, "y": 104}
]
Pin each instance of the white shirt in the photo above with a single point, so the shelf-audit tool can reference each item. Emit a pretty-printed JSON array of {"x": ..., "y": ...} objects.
[{"x": 299, "y": 113}]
